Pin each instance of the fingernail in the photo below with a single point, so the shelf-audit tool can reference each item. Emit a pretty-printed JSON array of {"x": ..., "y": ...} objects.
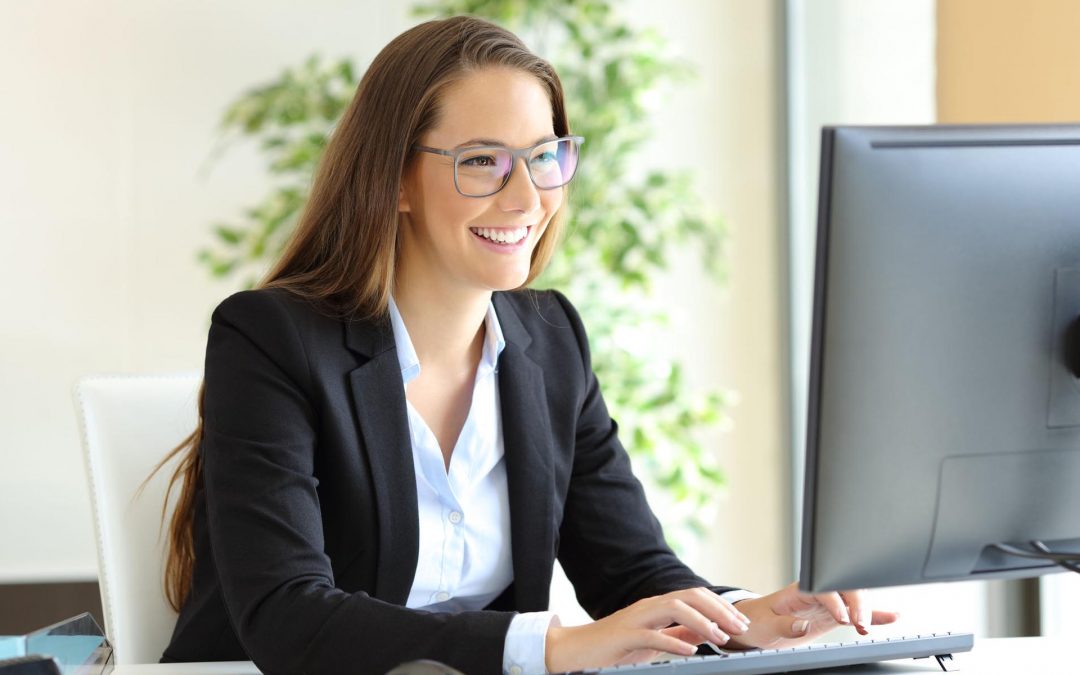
[
  {"x": 720, "y": 635},
  {"x": 745, "y": 619},
  {"x": 800, "y": 626},
  {"x": 742, "y": 626},
  {"x": 865, "y": 618}
]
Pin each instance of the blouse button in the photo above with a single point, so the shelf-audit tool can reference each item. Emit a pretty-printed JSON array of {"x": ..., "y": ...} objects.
[{"x": 455, "y": 517}]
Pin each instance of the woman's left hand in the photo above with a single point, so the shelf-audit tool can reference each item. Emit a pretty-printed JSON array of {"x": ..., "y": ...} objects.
[{"x": 790, "y": 617}]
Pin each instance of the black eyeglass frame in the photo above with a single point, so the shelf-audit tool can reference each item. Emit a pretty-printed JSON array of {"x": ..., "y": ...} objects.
[{"x": 523, "y": 153}]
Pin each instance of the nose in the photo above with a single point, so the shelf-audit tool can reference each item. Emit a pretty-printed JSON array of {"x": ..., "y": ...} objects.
[{"x": 519, "y": 194}]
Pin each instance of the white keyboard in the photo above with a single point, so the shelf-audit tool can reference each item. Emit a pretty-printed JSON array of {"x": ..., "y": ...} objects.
[{"x": 807, "y": 657}]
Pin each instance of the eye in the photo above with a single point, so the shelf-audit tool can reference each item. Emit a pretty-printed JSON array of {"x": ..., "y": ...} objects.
[
  {"x": 544, "y": 157},
  {"x": 483, "y": 161}
]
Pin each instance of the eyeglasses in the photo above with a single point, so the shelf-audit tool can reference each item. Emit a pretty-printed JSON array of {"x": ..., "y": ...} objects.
[{"x": 481, "y": 171}]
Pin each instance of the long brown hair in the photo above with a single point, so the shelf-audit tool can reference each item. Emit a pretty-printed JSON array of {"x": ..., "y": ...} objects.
[{"x": 343, "y": 252}]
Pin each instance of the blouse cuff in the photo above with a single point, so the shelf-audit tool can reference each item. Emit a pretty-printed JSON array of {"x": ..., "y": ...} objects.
[
  {"x": 736, "y": 596},
  {"x": 523, "y": 651}
]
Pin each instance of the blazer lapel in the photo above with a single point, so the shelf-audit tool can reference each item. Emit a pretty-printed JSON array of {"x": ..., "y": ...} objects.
[
  {"x": 381, "y": 414},
  {"x": 528, "y": 443}
]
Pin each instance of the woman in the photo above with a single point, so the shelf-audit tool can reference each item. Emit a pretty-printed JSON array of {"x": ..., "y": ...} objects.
[{"x": 395, "y": 444}]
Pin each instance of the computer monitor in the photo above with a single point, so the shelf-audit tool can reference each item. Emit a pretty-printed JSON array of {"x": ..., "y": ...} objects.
[{"x": 944, "y": 399}]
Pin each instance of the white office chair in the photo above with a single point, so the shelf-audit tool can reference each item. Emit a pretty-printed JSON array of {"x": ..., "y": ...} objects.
[{"x": 128, "y": 423}]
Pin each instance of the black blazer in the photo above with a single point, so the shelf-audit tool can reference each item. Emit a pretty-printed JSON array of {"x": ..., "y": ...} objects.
[{"x": 306, "y": 531}]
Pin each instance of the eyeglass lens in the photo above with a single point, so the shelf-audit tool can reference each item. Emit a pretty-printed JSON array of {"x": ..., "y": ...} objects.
[{"x": 483, "y": 171}]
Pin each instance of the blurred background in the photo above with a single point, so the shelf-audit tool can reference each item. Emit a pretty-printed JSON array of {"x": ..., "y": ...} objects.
[{"x": 114, "y": 169}]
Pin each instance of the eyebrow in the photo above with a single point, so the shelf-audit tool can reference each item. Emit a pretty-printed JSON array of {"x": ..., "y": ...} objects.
[{"x": 492, "y": 141}]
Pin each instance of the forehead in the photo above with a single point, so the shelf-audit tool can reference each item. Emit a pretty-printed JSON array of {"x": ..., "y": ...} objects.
[{"x": 501, "y": 104}]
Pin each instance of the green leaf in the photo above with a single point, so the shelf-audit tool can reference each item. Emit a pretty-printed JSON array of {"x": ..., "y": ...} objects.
[{"x": 229, "y": 235}]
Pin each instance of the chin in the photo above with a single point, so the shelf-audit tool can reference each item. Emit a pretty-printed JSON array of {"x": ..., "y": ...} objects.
[{"x": 508, "y": 282}]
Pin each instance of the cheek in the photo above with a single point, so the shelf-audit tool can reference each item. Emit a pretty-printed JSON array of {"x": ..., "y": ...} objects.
[
  {"x": 439, "y": 188},
  {"x": 462, "y": 212},
  {"x": 551, "y": 200},
  {"x": 443, "y": 208}
]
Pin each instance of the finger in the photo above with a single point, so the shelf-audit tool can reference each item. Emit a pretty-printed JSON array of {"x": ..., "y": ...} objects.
[
  {"x": 672, "y": 609},
  {"x": 835, "y": 604},
  {"x": 787, "y": 626},
  {"x": 685, "y": 634},
  {"x": 858, "y": 603},
  {"x": 723, "y": 613},
  {"x": 728, "y": 605},
  {"x": 881, "y": 617},
  {"x": 663, "y": 642}
]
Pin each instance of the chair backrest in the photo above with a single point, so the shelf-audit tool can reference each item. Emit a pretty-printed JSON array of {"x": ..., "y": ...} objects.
[{"x": 128, "y": 424}]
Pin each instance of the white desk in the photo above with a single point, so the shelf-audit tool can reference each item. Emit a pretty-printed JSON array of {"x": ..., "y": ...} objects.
[
  {"x": 999, "y": 656},
  {"x": 219, "y": 668}
]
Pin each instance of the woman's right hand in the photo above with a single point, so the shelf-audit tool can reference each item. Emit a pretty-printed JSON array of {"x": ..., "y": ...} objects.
[{"x": 644, "y": 630}]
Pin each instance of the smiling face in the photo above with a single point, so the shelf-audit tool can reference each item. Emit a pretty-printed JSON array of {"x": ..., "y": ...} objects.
[{"x": 454, "y": 243}]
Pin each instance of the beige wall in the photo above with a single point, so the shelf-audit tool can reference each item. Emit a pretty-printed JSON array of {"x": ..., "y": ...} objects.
[
  {"x": 744, "y": 178},
  {"x": 1008, "y": 61}
]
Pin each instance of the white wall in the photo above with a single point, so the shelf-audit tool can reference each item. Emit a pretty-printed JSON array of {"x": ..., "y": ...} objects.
[
  {"x": 727, "y": 127},
  {"x": 1060, "y": 615},
  {"x": 849, "y": 62},
  {"x": 109, "y": 115},
  {"x": 859, "y": 62}
]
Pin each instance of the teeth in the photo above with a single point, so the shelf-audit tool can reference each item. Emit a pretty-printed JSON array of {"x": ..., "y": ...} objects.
[{"x": 502, "y": 236}]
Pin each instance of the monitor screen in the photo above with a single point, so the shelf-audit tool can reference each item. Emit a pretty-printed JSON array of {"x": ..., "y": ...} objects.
[{"x": 944, "y": 399}]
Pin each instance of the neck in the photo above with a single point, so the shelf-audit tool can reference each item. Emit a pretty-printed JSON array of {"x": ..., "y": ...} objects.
[{"x": 446, "y": 325}]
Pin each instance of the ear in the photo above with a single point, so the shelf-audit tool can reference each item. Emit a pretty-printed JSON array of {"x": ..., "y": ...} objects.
[{"x": 403, "y": 200}]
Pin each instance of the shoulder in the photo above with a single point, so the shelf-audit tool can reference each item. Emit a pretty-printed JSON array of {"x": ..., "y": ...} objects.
[
  {"x": 263, "y": 304},
  {"x": 272, "y": 310},
  {"x": 276, "y": 322},
  {"x": 539, "y": 312},
  {"x": 546, "y": 320}
]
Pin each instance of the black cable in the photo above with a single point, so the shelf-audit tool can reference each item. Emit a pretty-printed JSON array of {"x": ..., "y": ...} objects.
[
  {"x": 1070, "y": 561},
  {"x": 1067, "y": 564}
]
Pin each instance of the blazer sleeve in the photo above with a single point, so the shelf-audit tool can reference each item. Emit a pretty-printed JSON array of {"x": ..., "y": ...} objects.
[
  {"x": 260, "y": 437},
  {"x": 612, "y": 546}
]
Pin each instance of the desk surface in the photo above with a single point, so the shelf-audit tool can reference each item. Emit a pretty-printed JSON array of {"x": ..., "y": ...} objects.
[{"x": 1047, "y": 656}]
